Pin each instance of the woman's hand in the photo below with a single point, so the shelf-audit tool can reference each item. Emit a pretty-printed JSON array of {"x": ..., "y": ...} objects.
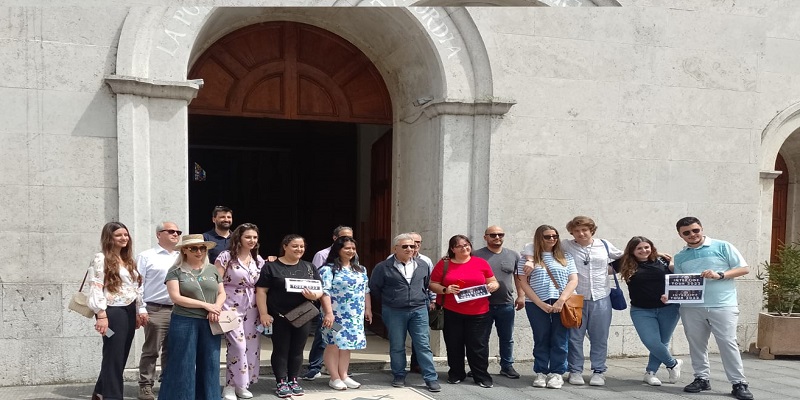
[
  {"x": 141, "y": 320},
  {"x": 308, "y": 294},
  {"x": 666, "y": 256},
  {"x": 101, "y": 325},
  {"x": 557, "y": 306},
  {"x": 529, "y": 267},
  {"x": 368, "y": 316},
  {"x": 213, "y": 317},
  {"x": 546, "y": 307},
  {"x": 664, "y": 299},
  {"x": 493, "y": 286},
  {"x": 266, "y": 320},
  {"x": 327, "y": 320},
  {"x": 452, "y": 289},
  {"x": 212, "y": 309}
]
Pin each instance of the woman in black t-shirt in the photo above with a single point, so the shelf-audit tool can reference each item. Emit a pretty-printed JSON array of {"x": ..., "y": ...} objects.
[
  {"x": 644, "y": 271},
  {"x": 274, "y": 302}
]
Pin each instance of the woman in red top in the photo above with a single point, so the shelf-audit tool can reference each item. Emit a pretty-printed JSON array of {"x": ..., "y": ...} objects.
[{"x": 467, "y": 324}]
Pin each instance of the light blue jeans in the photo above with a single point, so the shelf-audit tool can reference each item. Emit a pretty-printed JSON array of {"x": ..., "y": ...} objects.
[
  {"x": 400, "y": 322},
  {"x": 596, "y": 322},
  {"x": 655, "y": 327}
]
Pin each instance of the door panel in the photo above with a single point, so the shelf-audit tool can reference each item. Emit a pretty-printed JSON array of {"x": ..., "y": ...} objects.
[{"x": 380, "y": 215}]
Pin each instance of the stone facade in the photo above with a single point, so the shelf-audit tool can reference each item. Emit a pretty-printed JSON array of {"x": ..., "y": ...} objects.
[{"x": 635, "y": 116}]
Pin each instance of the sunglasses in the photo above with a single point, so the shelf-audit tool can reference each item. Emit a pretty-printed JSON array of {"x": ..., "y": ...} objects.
[
  {"x": 195, "y": 249},
  {"x": 408, "y": 246},
  {"x": 495, "y": 235},
  {"x": 550, "y": 237},
  {"x": 171, "y": 231},
  {"x": 690, "y": 231}
]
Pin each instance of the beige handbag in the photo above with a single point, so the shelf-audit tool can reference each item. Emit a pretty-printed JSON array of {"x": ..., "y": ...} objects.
[
  {"x": 228, "y": 321},
  {"x": 80, "y": 302}
]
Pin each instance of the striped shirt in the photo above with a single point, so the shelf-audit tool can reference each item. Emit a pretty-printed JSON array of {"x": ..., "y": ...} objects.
[
  {"x": 716, "y": 255},
  {"x": 540, "y": 281}
]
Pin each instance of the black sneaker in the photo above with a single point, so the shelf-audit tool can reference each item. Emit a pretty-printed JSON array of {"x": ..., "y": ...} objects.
[
  {"x": 698, "y": 385},
  {"x": 509, "y": 372},
  {"x": 433, "y": 386},
  {"x": 485, "y": 384},
  {"x": 399, "y": 382},
  {"x": 740, "y": 391},
  {"x": 295, "y": 387},
  {"x": 282, "y": 389},
  {"x": 469, "y": 374},
  {"x": 454, "y": 381}
]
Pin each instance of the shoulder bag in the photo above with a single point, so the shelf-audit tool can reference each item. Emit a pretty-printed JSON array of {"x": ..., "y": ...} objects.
[
  {"x": 306, "y": 311},
  {"x": 228, "y": 320},
  {"x": 436, "y": 316},
  {"x": 80, "y": 302},
  {"x": 617, "y": 296},
  {"x": 572, "y": 312}
]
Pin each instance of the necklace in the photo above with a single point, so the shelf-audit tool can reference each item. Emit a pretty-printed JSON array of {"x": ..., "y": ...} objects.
[{"x": 586, "y": 252}]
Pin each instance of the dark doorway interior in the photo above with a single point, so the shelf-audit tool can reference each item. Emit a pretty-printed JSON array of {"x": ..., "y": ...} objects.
[{"x": 286, "y": 176}]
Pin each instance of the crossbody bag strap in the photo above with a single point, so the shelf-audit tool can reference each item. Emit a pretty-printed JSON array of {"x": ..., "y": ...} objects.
[
  {"x": 444, "y": 273},
  {"x": 609, "y": 255},
  {"x": 84, "y": 280},
  {"x": 552, "y": 278}
]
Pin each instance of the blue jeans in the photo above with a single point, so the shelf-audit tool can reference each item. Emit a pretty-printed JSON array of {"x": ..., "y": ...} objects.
[
  {"x": 503, "y": 316},
  {"x": 414, "y": 322},
  {"x": 655, "y": 327},
  {"x": 193, "y": 369},
  {"x": 550, "y": 340},
  {"x": 596, "y": 321},
  {"x": 317, "y": 350}
]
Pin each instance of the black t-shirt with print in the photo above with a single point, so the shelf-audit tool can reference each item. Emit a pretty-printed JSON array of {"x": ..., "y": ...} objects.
[{"x": 273, "y": 277}]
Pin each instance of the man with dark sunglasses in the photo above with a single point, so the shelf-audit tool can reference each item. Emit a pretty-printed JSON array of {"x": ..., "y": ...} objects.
[
  {"x": 156, "y": 308},
  {"x": 502, "y": 303},
  {"x": 222, "y": 217},
  {"x": 718, "y": 262}
]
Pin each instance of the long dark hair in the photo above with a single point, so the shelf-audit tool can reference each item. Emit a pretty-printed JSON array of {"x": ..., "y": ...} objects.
[
  {"x": 285, "y": 242},
  {"x": 454, "y": 242},
  {"x": 333, "y": 256},
  {"x": 628, "y": 260},
  {"x": 236, "y": 241},
  {"x": 112, "y": 280}
]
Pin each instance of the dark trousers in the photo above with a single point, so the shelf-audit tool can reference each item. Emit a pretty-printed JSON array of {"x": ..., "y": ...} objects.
[
  {"x": 287, "y": 347},
  {"x": 471, "y": 333},
  {"x": 122, "y": 321},
  {"x": 315, "y": 354},
  {"x": 193, "y": 369}
]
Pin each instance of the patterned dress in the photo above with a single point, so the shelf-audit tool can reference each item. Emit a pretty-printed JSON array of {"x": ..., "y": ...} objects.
[
  {"x": 243, "y": 342},
  {"x": 348, "y": 290}
]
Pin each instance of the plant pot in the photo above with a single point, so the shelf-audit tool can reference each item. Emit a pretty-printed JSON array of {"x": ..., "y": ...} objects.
[{"x": 778, "y": 335}]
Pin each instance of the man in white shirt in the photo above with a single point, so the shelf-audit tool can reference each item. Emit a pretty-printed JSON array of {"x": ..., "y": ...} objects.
[{"x": 156, "y": 310}]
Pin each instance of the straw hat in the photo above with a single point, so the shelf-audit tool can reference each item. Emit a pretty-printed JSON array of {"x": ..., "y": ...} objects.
[{"x": 194, "y": 240}]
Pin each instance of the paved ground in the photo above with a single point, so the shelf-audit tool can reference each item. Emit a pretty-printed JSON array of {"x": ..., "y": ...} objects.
[{"x": 769, "y": 379}]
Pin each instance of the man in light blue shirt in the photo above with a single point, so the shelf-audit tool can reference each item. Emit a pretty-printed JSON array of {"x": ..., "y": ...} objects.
[
  {"x": 156, "y": 308},
  {"x": 718, "y": 262}
]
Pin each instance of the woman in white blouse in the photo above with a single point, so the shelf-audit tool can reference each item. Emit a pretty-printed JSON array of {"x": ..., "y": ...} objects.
[{"x": 114, "y": 295}]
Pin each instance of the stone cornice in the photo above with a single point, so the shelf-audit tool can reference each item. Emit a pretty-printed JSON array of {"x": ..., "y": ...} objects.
[
  {"x": 770, "y": 174},
  {"x": 435, "y": 109},
  {"x": 185, "y": 90}
]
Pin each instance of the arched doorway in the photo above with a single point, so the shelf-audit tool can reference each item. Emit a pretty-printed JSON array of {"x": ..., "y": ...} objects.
[{"x": 288, "y": 119}]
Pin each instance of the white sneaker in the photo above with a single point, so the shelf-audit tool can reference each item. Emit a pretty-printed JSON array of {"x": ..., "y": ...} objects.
[
  {"x": 597, "y": 379},
  {"x": 575, "y": 378},
  {"x": 540, "y": 380},
  {"x": 675, "y": 372},
  {"x": 350, "y": 383},
  {"x": 651, "y": 379},
  {"x": 337, "y": 384},
  {"x": 228, "y": 393},
  {"x": 555, "y": 381},
  {"x": 243, "y": 393}
]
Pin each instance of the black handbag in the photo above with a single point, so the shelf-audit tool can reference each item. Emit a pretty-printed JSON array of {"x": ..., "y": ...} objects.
[
  {"x": 436, "y": 316},
  {"x": 301, "y": 314}
]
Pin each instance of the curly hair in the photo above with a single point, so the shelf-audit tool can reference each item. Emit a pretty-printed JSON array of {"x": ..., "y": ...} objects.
[
  {"x": 628, "y": 261},
  {"x": 112, "y": 280}
]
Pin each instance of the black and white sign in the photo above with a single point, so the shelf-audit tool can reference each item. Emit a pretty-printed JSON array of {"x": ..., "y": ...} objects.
[
  {"x": 297, "y": 285},
  {"x": 472, "y": 293},
  {"x": 685, "y": 288}
]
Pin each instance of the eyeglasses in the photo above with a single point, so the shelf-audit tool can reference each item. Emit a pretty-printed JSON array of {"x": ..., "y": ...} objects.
[
  {"x": 171, "y": 231},
  {"x": 495, "y": 235},
  {"x": 690, "y": 231},
  {"x": 408, "y": 246},
  {"x": 550, "y": 237},
  {"x": 195, "y": 249},
  {"x": 462, "y": 246}
]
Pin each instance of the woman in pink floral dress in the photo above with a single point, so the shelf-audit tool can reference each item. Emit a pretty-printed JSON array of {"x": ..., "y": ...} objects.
[{"x": 240, "y": 267}]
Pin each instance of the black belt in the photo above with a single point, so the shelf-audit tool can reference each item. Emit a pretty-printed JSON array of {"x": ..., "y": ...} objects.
[{"x": 160, "y": 305}]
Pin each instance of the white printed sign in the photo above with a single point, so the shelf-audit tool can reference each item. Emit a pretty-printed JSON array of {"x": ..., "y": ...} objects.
[
  {"x": 297, "y": 285},
  {"x": 684, "y": 288},
  {"x": 472, "y": 293}
]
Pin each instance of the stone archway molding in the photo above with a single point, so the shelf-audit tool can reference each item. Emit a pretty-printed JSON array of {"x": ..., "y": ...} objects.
[{"x": 775, "y": 134}]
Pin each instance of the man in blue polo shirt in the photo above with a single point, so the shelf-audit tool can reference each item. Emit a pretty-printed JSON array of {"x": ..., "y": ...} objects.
[{"x": 718, "y": 262}]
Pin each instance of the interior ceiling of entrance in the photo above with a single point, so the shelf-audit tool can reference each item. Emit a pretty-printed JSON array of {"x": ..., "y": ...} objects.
[{"x": 390, "y": 36}]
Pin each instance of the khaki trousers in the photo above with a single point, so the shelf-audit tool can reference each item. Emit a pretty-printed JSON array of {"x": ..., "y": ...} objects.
[{"x": 155, "y": 340}]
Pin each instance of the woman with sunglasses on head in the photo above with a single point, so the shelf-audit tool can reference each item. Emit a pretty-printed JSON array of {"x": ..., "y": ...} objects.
[
  {"x": 274, "y": 302},
  {"x": 195, "y": 287},
  {"x": 345, "y": 281},
  {"x": 115, "y": 294},
  {"x": 644, "y": 270},
  {"x": 466, "y": 324},
  {"x": 240, "y": 267},
  {"x": 544, "y": 302}
]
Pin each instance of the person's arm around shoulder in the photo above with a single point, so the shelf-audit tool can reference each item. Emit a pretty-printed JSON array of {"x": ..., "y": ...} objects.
[{"x": 222, "y": 262}]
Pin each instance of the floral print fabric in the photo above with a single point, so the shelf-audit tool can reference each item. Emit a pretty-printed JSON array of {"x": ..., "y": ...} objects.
[{"x": 348, "y": 290}]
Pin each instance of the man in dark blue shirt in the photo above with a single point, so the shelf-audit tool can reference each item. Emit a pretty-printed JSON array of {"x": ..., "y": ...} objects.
[{"x": 222, "y": 217}]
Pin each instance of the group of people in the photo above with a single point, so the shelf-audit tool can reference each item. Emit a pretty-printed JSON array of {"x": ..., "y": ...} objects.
[{"x": 182, "y": 286}]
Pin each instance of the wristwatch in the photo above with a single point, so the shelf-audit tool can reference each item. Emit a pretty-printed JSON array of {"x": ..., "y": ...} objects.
[{"x": 721, "y": 275}]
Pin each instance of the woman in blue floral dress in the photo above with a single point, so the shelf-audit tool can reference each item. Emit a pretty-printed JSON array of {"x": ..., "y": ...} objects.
[{"x": 345, "y": 281}]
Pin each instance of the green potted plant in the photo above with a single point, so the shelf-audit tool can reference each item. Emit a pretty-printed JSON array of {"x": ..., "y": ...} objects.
[{"x": 779, "y": 326}]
